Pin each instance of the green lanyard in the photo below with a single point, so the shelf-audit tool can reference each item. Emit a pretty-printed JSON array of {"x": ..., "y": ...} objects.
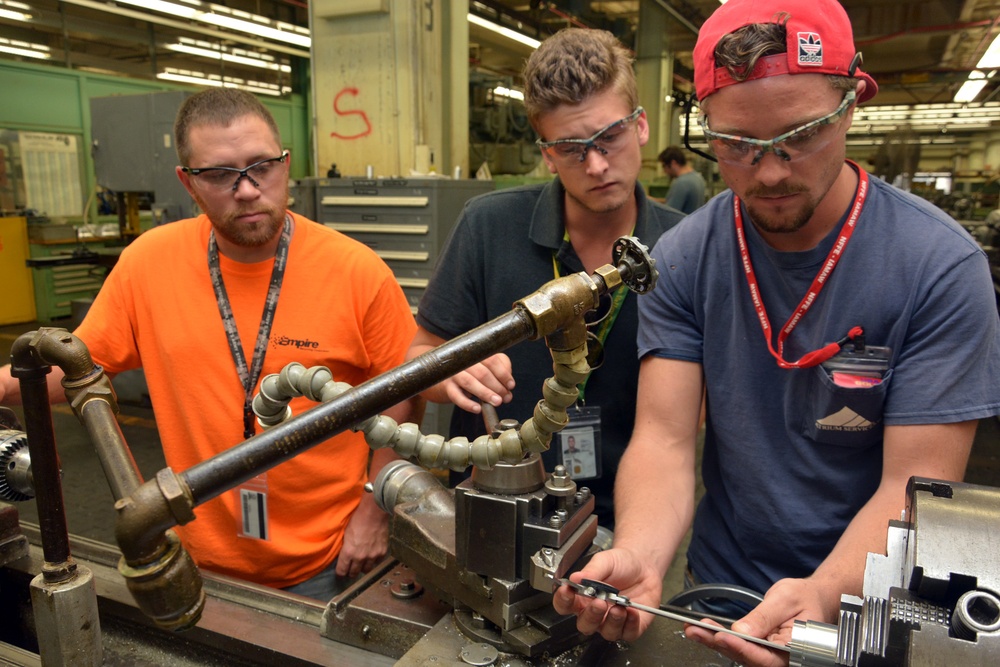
[{"x": 605, "y": 327}]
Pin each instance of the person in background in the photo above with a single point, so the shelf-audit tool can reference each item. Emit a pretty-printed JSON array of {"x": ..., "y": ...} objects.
[
  {"x": 773, "y": 290},
  {"x": 989, "y": 232},
  {"x": 581, "y": 99},
  {"x": 687, "y": 186},
  {"x": 185, "y": 303}
]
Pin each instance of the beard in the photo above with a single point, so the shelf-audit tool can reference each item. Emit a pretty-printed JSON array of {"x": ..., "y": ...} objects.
[
  {"x": 251, "y": 235},
  {"x": 246, "y": 235},
  {"x": 791, "y": 222}
]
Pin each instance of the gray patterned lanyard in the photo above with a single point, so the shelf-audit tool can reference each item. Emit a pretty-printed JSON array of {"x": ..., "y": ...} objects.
[{"x": 249, "y": 378}]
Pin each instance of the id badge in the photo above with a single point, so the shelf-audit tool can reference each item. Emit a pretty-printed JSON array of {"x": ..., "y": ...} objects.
[
  {"x": 580, "y": 442},
  {"x": 252, "y": 499},
  {"x": 858, "y": 368}
]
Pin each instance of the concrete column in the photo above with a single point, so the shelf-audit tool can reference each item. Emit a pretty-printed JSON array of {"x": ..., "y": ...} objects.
[
  {"x": 387, "y": 78},
  {"x": 654, "y": 68},
  {"x": 977, "y": 154},
  {"x": 992, "y": 157}
]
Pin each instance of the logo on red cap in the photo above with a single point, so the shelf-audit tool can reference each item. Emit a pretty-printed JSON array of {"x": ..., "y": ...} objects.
[{"x": 810, "y": 49}]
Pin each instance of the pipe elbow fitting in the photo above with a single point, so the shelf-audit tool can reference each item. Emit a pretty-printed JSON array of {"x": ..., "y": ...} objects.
[
  {"x": 559, "y": 302},
  {"x": 152, "y": 509},
  {"x": 49, "y": 346}
]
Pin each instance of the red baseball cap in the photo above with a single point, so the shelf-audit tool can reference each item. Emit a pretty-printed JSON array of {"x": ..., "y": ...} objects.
[{"x": 820, "y": 41}]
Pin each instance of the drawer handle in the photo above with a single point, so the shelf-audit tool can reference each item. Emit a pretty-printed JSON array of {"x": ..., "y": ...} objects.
[
  {"x": 78, "y": 288},
  {"x": 403, "y": 255},
  {"x": 375, "y": 228},
  {"x": 332, "y": 200},
  {"x": 413, "y": 282}
]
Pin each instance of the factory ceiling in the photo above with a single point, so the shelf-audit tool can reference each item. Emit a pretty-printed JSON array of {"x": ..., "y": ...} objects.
[{"x": 919, "y": 51}]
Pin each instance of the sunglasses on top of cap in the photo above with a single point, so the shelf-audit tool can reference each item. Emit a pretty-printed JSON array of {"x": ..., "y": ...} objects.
[
  {"x": 259, "y": 174},
  {"x": 801, "y": 142},
  {"x": 606, "y": 141}
]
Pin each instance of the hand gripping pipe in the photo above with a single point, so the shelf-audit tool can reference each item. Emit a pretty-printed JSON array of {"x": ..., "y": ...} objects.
[{"x": 160, "y": 575}]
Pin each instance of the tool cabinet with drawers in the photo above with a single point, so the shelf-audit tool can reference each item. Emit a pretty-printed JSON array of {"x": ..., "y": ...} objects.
[
  {"x": 57, "y": 286},
  {"x": 405, "y": 220}
]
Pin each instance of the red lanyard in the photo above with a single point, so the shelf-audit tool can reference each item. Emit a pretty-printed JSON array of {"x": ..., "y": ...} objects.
[{"x": 815, "y": 357}]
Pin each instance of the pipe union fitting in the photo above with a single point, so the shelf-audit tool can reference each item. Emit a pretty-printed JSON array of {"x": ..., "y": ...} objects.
[{"x": 167, "y": 590}]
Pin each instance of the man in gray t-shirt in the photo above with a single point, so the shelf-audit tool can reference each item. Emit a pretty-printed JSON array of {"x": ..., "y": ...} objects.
[
  {"x": 840, "y": 333},
  {"x": 687, "y": 187}
]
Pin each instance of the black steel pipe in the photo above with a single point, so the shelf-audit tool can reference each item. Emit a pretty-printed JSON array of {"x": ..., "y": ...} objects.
[
  {"x": 214, "y": 476},
  {"x": 45, "y": 472},
  {"x": 90, "y": 393}
]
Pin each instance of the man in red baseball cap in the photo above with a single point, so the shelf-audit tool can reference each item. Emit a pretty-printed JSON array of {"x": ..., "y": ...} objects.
[{"x": 774, "y": 290}]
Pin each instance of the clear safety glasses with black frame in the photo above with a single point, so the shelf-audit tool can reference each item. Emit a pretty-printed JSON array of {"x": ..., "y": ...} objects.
[
  {"x": 606, "y": 141},
  {"x": 260, "y": 173}
]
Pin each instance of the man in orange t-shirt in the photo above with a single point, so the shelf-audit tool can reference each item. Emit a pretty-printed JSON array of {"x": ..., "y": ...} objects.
[{"x": 184, "y": 303}]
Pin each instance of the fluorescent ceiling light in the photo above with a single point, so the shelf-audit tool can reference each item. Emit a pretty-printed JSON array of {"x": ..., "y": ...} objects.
[
  {"x": 207, "y": 50},
  {"x": 923, "y": 141},
  {"x": 197, "y": 78},
  {"x": 223, "y": 17},
  {"x": 99, "y": 70},
  {"x": 26, "y": 49},
  {"x": 977, "y": 79},
  {"x": 13, "y": 15},
  {"x": 510, "y": 93},
  {"x": 201, "y": 79},
  {"x": 260, "y": 30},
  {"x": 929, "y": 119},
  {"x": 172, "y": 8},
  {"x": 991, "y": 59},
  {"x": 15, "y": 11},
  {"x": 506, "y": 32},
  {"x": 971, "y": 88}
]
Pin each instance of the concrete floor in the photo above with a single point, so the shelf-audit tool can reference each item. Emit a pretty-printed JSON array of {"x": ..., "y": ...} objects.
[{"x": 89, "y": 501}]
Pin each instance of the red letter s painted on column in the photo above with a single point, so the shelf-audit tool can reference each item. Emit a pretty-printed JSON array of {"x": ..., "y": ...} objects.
[{"x": 358, "y": 112}]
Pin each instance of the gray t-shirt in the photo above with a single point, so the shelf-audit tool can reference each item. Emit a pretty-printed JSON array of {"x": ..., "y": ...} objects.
[
  {"x": 687, "y": 192},
  {"x": 790, "y": 457}
]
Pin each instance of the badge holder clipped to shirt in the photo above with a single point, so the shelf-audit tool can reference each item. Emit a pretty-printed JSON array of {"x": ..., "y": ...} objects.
[
  {"x": 580, "y": 442},
  {"x": 253, "y": 508},
  {"x": 858, "y": 366},
  {"x": 850, "y": 412}
]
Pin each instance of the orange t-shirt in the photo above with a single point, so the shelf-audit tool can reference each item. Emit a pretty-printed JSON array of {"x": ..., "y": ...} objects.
[{"x": 339, "y": 307}]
